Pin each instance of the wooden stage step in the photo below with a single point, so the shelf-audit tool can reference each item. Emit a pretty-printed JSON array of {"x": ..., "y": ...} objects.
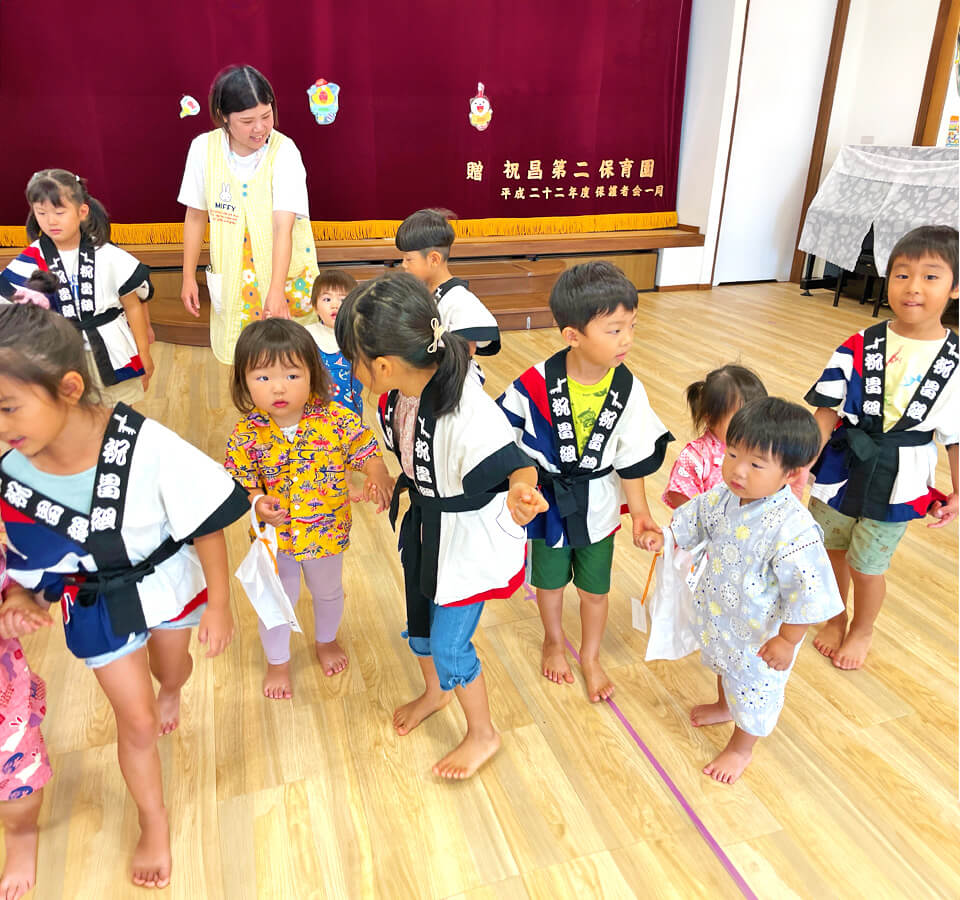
[{"x": 512, "y": 275}]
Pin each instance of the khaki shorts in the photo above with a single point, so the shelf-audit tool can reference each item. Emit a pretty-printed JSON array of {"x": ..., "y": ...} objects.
[
  {"x": 869, "y": 543},
  {"x": 129, "y": 391}
]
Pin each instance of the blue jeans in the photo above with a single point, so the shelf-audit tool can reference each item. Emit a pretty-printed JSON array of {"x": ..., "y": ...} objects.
[{"x": 454, "y": 656}]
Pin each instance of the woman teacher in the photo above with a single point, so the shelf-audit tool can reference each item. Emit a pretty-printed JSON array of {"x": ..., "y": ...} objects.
[{"x": 249, "y": 181}]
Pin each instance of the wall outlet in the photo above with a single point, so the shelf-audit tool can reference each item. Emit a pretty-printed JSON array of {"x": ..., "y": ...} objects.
[{"x": 866, "y": 139}]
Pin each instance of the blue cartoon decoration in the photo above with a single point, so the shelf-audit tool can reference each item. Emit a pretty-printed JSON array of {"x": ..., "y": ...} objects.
[{"x": 324, "y": 100}]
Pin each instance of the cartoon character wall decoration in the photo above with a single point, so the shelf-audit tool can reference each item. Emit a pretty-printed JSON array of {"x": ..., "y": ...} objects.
[
  {"x": 188, "y": 106},
  {"x": 481, "y": 110},
  {"x": 324, "y": 99}
]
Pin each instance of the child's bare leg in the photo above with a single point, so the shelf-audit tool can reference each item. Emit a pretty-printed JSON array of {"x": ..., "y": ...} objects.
[
  {"x": 711, "y": 713},
  {"x": 593, "y": 622},
  {"x": 19, "y": 820},
  {"x": 126, "y": 682},
  {"x": 830, "y": 637},
  {"x": 553, "y": 661},
  {"x": 481, "y": 740},
  {"x": 729, "y": 764},
  {"x": 868, "y": 594},
  {"x": 433, "y": 698},
  {"x": 171, "y": 663}
]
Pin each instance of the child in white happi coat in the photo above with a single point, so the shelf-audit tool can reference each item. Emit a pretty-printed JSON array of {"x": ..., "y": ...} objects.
[
  {"x": 766, "y": 577},
  {"x": 471, "y": 491},
  {"x": 886, "y": 394},
  {"x": 100, "y": 287},
  {"x": 121, "y": 521},
  {"x": 425, "y": 238},
  {"x": 584, "y": 418}
]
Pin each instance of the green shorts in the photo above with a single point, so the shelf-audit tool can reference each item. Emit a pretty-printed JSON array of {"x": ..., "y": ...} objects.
[
  {"x": 868, "y": 542},
  {"x": 589, "y": 567}
]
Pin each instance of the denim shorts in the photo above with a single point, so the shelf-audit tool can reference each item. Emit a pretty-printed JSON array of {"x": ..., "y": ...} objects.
[
  {"x": 138, "y": 639},
  {"x": 450, "y": 645}
]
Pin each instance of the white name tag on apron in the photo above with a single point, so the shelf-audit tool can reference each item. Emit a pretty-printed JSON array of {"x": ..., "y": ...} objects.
[{"x": 215, "y": 289}]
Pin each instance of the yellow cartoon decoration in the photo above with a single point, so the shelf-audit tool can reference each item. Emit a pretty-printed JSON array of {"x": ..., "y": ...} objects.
[{"x": 481, "y": 112}]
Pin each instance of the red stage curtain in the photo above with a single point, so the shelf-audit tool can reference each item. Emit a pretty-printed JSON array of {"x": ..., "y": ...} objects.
[{"x": 95, "y": 88}]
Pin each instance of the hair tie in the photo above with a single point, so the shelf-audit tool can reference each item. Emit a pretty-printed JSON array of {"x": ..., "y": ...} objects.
[
  {"x": 28, "y": 296},
  {"x": 438, "y": 329}
]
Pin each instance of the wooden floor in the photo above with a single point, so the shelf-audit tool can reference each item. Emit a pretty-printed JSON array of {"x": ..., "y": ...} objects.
[{"x": 855, "y": 793}]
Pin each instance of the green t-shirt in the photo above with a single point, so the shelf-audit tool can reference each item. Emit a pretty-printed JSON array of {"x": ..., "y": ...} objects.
[{"x": 586, "y": 401}]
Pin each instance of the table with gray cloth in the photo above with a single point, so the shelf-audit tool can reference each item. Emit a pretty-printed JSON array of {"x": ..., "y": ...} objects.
[{"x": 893, "y": 189}]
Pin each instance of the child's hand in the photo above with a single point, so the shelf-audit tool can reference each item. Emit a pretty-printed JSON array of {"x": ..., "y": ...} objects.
[
  {"x": 20, "y": 614},
  {"x": 270, "y": 511},
  {"x": 216, "y": 629},
  {"x": 649, "y": 540},
  {"x": 777, "y": 653},
  {"x": 525, "y": 503},
  {"x": 379, "y": 489},
  {"x": 148, "y": 369},
  {"x": 943, "y": 512},
  {"x": 646, "y": 532}
]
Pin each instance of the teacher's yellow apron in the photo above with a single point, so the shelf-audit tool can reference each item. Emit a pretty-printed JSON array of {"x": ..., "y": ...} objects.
[{"x": 241, "y": 247}]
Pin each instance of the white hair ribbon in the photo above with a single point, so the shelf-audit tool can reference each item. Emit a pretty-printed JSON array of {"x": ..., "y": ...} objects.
[{"x": 438, "y": 329}]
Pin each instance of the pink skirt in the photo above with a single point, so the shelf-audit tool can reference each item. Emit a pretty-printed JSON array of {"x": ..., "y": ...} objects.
[{"x": 24, "y": 764}]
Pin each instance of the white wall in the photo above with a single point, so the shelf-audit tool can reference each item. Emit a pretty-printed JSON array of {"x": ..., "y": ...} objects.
[
  {"x": 784, "y": 59},
  {"x": 886, "y": 48},
  {"x": 879, "y": 83},
  {"x": 713, "y": 56}
]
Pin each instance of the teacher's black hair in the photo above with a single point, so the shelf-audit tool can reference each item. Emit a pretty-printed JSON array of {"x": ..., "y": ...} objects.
[{"x": 237, "y": 88}]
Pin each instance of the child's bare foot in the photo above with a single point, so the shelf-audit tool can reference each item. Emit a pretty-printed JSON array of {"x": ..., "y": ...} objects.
[
  {"x": 728, "y": 766},
  {"x": 331, "y": 657},
  {"x": 151, "y": 858},
  {"x": 20, "y": 871},
  {"x": 853, "y": 651},
  {"x": 830, "y": 637},
  {"x": 599, "y": 687},
  {"x": 277, "y": 684},
  {"x": 168, "y": 704},
  {"x": 410, "y": 715},
  {"x": 710, "y": 714},
  {"x": 471, "y": 753},
  {"x": 554, "y": 663}
]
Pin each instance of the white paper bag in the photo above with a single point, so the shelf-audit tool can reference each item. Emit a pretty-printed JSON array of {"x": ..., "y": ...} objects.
[
  {"x": 215, "y": 289},
  {"x": 260, "y": 579},
  {"x": 673, "y": 632}
]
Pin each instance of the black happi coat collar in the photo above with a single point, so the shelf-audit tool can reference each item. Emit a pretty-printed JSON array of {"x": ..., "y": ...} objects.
[{"x": 570, "y": 487}]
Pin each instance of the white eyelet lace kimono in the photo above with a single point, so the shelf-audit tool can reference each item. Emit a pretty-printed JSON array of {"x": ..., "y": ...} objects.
[{"x": 766, "y": 566}]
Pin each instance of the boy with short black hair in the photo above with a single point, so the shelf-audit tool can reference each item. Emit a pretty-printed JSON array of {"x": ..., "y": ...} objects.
[
  {"x": 425, "y": 239},
  {"x": 585, "y": 420},
  {"x": 886, "y": 393},
  {"x": 329, "y": 289},
  {"x": 766, "y": 576}
]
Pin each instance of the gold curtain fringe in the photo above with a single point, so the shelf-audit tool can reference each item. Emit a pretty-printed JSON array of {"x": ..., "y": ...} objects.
[{"x": 172, "y": 232}]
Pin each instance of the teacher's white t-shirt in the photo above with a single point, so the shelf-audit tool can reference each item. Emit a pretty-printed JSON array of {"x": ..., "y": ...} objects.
[{"x": 289, "y": 175}]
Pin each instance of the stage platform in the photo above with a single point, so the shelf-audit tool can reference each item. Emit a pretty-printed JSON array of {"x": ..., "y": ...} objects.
[{"x": 512, "y": 275}]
